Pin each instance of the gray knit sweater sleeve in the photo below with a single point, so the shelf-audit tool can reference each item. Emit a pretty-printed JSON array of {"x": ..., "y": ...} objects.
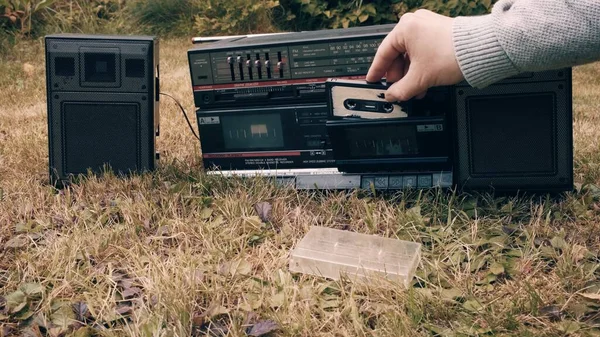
[{"x": 526, "y": 35}]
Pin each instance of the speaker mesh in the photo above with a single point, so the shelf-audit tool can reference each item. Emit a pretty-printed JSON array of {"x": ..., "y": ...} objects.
[
  {"x": 512, "y": 134},
  {"x": 101, "y": 132},
  {"x": 515, "y": 136}
]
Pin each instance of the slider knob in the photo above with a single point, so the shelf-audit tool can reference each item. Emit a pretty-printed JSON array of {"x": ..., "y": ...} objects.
[
  {"x": 257, "y": 63},
  {"x": 248, "y": 64},
  {"x": 239, "y": 59},
  {"x": 267, "y": 63},
  {"x": 280, "y": 65},
  {"x": 230, "y": 60}
]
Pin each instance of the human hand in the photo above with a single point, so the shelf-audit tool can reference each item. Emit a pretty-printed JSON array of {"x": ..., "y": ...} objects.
[{"x": 417, "y": 54}]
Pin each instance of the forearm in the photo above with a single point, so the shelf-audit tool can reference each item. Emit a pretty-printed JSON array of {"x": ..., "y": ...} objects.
[{"x": 526, "y": 35}]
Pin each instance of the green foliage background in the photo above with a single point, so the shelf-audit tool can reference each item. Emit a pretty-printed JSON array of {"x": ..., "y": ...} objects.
[{"x": 33, "y": 18}]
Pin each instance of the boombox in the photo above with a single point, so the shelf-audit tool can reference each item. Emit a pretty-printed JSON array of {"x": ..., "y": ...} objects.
[{"x": 296, "y": 107}]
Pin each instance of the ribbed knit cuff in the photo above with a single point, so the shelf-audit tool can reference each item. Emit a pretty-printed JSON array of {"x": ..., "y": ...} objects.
[{"x": 480, "y": 56}]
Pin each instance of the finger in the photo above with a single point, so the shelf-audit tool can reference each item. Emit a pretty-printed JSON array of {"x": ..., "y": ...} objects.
[
  {"x": 389, "y": 50},
  {"x": 396, "y": 70},
  {"x": 408, "y": 87},
  {"x": 422, "y": 95}
]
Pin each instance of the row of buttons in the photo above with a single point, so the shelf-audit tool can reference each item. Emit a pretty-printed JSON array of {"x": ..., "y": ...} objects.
[{"x": 407, "y": 181}]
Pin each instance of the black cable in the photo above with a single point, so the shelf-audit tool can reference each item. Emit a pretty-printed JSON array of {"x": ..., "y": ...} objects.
[{"x": 184, "y": 114}]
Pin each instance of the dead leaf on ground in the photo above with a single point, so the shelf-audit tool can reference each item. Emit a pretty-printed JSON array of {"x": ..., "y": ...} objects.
[
  {"x": 85, "y": 331},
  {"x": 63, "y": 315},
  {"x": 18, "y": 241},
  {"x": 131, "y": 292},
  {"x": 595, "y": 297},
  {"x": 263, "y": 327},
  {"x": 32, "y": 289},
  {"x": 233, "y": 268},
  {"x": 552, "y": 312},
  {"x": 81, "y": 311},
  {"x": 264, "y": 211},
  {"x": 124, "y": 309},
  {"x": 28, "y": 69},
  {"x": 16, "y": 301}
]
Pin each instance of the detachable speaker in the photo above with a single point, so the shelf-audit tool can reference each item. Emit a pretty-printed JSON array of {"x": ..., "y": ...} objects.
[
  {"x": 103, "y": 111},
  {"x": 517, "y": 134}
]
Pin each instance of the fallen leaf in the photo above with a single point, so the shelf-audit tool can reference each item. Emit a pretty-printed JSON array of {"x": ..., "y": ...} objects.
[
  {"x": 81, "y": 311},
  {"x": 24, "y": 315},
  {"x": 85, "y": 331},
  {"x": 263, "y": 328},
  {"x": 278, "y": 299},
  {"x": 32, "y": 289},
  {"x": 16, "y": 300},
  {"x": 235, "y": 267},
  {"x": 497, "y": 269},
  {"x": 579, "y": 253},
  {"x": 552, "y": 312},
  {"x": 198, "y": 320},
  {"x": 264, "y": 211},
  {"x": 130, "y": 292},
  {"x": 472, "y": 305},
  {"x": 63, "y": 315},
  {"x": 206, "y": 213},
  {"x": 18, "y": 241},
  {"x": 569, "y": 327},
  {"x": 124, "y": 309},
  {"x": 215, "y": 310},
  {"x": 595, "y": 297},
  {"x": 329, "y": 304},
  {"x": 22, "y": 228},
  {"x": 451, "y": 294},
  {"x": 558, "y": 243},
  {"x": 28, "y": 69}
]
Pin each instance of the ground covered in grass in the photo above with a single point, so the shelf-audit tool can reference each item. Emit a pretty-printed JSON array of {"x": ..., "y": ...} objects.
[{"x": 177, "y": 253}]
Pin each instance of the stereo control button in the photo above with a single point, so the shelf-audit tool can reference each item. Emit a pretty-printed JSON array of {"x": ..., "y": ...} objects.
[
  {"x": 395, "y": 182},
  {"x": 425, "y": 181},
  {"x": 257, "y": 64},
  {"x": 280, "y": 65},
  {"x": 230, "y": 60},
  {"x": 381, "y": 182},
  {"x": 367, "y": 182},
  {"x": 409, "y": 181}
]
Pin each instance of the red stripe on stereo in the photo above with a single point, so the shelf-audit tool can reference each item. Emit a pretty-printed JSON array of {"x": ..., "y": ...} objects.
[
  {"x": 272, "y": 83},
  {"x": 251, "y": 154}
]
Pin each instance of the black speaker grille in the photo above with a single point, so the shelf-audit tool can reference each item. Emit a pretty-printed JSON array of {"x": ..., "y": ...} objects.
[
  {"x": 101, "y": 133},
  {"x": 515, "y": 136},
  {"x": 512, "y": 134}
]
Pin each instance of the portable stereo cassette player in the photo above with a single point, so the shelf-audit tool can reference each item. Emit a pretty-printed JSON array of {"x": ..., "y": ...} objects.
[{"x": 296, "y": 107}]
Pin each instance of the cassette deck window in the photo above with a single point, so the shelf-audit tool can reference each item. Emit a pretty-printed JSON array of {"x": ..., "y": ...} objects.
[
  {"x": 252, "y": 132},
  {"x": 383, "y": 141}
]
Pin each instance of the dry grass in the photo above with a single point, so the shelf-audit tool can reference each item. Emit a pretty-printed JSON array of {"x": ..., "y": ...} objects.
[{"x": 179, "y": 254}]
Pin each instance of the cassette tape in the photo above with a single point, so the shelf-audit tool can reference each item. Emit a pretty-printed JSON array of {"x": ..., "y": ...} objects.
[{"x": 360, "y": 99}]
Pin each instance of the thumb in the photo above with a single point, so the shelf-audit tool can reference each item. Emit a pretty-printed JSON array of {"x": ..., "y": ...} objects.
[{"x": 406, "y": 88}]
